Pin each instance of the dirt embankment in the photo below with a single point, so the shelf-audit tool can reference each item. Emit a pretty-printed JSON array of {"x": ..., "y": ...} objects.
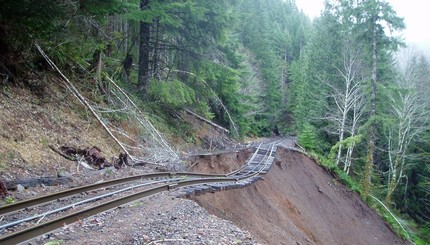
[
  {"x": 30, "y": 123},
  {"x": 298, "y": 202},
  {"x": 221, "y": 163}
]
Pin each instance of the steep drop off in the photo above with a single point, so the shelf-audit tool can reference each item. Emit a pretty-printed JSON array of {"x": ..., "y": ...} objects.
[{"x": 298, "y": 202}]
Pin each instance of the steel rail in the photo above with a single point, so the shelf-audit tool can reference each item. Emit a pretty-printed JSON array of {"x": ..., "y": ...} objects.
[
  {"x": 37, "y": 230},
  {"x": 67, "y": 193},
  {"x": 250, "y": 160},
  {"x": 187, "y": 175},
  {"x": 43, "y": 228},
  {"x": 73, "y": 205},
  {"x": 265, "y": 158}
]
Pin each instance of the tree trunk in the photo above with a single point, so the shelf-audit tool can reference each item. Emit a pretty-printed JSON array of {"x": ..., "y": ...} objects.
[
  {"x": 342, "y": 130},
  {"x": 144, "y": 47},
  {"x": 393, "y": 180},
  {"x": 356, "y": 117},
  {"x": 371, "y": 145},
  {"x": 155, "y": 57}
]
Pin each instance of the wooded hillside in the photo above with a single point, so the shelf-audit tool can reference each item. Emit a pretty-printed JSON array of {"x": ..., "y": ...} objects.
[{"x": 353, "y": 94}]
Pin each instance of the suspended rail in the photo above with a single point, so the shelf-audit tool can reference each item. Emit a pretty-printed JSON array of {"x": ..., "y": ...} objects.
[{"x": 258, "y": 164}]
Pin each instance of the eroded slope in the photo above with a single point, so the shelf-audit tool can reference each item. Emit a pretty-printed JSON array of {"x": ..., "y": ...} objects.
[{"x": 300, "y": 203}]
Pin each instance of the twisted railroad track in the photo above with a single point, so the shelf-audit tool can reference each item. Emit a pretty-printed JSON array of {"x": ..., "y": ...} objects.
[{"x": 28, "y": 219}]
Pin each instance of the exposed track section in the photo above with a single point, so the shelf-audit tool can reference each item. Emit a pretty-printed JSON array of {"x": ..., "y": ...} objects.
[{"x": 46, "y": 213}]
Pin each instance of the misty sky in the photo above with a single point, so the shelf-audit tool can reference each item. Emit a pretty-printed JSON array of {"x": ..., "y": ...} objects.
[{"x": 414, "y": 12}]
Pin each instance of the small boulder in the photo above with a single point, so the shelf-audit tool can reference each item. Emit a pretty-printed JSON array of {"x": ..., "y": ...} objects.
[
  {"x": 64, "y": 174},
  {"x": 20, "y": 188}
]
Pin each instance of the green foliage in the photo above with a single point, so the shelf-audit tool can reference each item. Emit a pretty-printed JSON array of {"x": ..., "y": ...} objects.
[
  {"x": 55, "y": 242},
  {"x": 45, "y": 19},
  {"x": 423, "y": 236},
  {"x": 267, "y": 35},
  {"x": 218, "y": 85},
  {"x": 9, "y": 200},
  {"x": 348, "y": 180},
  {"x": 349, "y": 141},
  {"x": 174, "y": 94},
  {"x": 33, "y": 18},
  {"x": 102, "y": 8},
  {"x": 308, "y": 137},
  {"x": 70, "y": 53}
]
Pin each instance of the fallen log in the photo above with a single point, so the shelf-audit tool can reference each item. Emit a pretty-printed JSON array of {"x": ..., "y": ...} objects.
[
  {"x": 92, "y": 156},
  {"x": 216, "y": 126},
  {"x": 62, "y": 154}
]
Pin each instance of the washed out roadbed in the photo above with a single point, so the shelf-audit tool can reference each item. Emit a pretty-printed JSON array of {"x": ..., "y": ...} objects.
[{"x": 160, "y": 219}]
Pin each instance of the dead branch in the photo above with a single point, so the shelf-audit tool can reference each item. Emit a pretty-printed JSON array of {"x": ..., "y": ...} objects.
[
  {"x": 70, "y": 158},
  {"x": 153, "y": 129},
  {"x": 78, "y": 95},
  {"x": 224, "y": 130}
]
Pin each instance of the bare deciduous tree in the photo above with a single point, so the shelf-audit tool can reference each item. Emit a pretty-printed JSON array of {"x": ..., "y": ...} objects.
[
  {"x": 408, "y": 110},
  {"x": 348, "y": 98}
]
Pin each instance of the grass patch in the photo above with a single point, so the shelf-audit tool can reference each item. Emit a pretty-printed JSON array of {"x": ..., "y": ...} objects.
[{"x": 9, "y": 200}]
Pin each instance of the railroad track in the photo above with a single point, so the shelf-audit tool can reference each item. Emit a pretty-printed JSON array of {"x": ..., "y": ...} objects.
[{"x": 25, "y": 220}]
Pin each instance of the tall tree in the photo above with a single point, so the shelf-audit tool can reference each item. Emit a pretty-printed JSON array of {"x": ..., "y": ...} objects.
[
  {"x": 348, "y": 96},
  {"x": 144, "y": 48},
  {"x": 410, "y": 115},
  {"x": 372, "y": 21}
]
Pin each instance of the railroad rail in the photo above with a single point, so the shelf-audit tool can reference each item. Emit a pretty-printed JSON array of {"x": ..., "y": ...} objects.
[{"x": 59, "y": 209}]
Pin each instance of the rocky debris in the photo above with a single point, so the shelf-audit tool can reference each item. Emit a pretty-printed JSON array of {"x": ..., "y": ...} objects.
[
  {"x": 21, "y": 184},
  {"x": 20, "y": 188},
  {"x": 160, "y": 219},
  {"x": 64, "y": 173}
]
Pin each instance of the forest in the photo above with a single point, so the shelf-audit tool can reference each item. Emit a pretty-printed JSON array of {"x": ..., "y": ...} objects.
[{"x": 344, "y": 84}]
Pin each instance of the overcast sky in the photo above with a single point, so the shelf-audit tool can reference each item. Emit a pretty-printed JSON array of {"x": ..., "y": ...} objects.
[{"x": 414, "y": 12}]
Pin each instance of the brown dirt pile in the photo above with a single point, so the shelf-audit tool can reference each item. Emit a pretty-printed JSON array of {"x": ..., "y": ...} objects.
[{"x": 298, "y": 202}]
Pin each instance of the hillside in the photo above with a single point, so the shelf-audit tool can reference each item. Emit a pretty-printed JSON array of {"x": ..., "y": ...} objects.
[
  {"x": 298, "y": 202},
  {"x": 343, "y": 84},
  {"x": 31, "y": 122}
]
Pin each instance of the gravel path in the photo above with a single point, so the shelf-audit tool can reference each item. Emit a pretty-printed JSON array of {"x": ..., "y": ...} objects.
[{"x": 160, "y": 219}]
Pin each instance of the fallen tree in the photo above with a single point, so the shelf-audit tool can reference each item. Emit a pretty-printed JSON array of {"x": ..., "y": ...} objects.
[{"x": 91, "y": 156}]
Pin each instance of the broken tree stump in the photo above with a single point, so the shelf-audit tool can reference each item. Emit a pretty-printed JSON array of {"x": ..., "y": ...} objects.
[{"x": 3, "y": 189}]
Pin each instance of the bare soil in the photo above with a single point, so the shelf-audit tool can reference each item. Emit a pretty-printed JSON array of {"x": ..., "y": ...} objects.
[
  {"x": 30, "y": 123},
  {"x": 219, "y": 163},
  {"x": 298, "y": 202}
]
